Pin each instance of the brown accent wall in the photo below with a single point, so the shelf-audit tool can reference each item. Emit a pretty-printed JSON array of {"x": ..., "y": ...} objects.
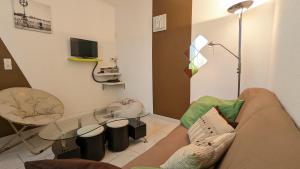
[
  {"x": 9, "y": 78},
  {"x": 171, "y": 87}
]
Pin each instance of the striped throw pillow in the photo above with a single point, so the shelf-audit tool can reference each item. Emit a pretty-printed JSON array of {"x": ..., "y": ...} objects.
[{"x": 211, "y": 124}]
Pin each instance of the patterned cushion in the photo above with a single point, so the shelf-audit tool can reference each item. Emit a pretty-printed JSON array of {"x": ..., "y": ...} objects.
[
  {"x": 201, "y": 154},
  {"x": 210, "y": 124},
  {"x": 219, "y": 143}
]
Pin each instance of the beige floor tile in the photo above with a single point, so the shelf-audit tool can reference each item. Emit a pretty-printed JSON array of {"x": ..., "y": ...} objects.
[
  {"x": 27, "y": 156},
  {"x": 124, "y": 157},
  {"x": 10, "y": 161},
  {"x": 109, "y": 156}
]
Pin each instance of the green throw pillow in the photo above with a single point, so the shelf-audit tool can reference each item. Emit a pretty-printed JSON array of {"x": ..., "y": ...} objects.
[
  {"x": 145, "y": 168},
  {"x": 230, "y": 109}
]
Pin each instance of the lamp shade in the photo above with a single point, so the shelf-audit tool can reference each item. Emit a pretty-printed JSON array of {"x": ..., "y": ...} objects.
[{"x": 237, "y": 6}]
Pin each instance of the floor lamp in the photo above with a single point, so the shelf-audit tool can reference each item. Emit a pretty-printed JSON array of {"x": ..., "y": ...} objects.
[{"x": 238, "y": 8}]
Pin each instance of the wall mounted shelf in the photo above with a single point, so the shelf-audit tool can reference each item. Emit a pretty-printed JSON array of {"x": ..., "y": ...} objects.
[
  {"x": 107, "y": 74},
  {"x": 84, "y": 60},
  {"x": 113, "y": 84}
]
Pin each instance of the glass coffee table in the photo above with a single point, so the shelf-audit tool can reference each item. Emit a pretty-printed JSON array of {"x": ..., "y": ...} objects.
[{"x": 65, "y": 133}]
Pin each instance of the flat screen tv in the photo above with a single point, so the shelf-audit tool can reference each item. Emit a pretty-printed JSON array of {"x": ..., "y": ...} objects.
[{"x": 84, "y": 48}]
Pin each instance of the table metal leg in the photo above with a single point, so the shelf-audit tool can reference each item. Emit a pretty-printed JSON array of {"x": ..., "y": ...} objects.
[{"x": 145, "y": 140}]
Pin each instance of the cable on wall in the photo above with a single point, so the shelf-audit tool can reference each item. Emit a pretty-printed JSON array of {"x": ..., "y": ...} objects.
[{"x": 93, "y": 74}]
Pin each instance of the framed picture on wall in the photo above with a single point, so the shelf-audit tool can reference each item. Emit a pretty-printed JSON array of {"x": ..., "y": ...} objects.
[{"x": 32, "y": 15}]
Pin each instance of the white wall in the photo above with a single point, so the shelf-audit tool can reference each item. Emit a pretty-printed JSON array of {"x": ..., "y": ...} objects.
[
  {"x": 285, "y": 70},
  {"x": 218, "y": 77},
  {"x": 43, "y": 57},
  {"x": 134, "y": 48}
]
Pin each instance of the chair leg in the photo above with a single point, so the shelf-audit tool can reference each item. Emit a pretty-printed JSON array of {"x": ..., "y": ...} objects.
[
  {"x": 27, "y": 144},
  {"x": 6, "y": 146},
  {"x": 19, "y": 134}
]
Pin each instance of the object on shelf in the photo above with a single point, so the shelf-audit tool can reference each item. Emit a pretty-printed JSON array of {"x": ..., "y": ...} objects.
[
  {"x": 108, "y": 74},
  {"x": 109, "y": 70},
  {"x": 112, "y": 81}
]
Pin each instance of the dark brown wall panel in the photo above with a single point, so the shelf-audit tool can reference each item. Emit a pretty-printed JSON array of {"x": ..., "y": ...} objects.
[
  {"x": 9, "y": 78},
  {"x": 171, "y": 87}
]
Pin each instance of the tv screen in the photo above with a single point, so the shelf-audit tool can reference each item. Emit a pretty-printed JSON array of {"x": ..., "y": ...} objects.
[{"x": 84, "y": 48}]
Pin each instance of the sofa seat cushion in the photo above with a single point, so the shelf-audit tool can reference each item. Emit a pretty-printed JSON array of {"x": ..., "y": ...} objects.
[
  {"x": 161, "y": 151},
  {"x": 269, "y": 139}
]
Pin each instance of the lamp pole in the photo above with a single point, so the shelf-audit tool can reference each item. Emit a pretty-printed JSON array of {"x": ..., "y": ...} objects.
[
  {"x": 237, "y": 8},
  {"x": 239, "y": 70}
]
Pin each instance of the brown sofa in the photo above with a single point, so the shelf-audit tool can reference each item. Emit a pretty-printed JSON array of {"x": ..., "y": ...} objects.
[{"x": 267, "y": 138}]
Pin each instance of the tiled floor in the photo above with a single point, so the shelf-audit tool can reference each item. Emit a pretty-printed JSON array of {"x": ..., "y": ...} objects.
[{"x": 157, "y": 128}]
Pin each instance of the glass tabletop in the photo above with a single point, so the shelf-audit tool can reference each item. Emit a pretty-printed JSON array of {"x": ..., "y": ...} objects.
[{"x": 67, "y": 128}]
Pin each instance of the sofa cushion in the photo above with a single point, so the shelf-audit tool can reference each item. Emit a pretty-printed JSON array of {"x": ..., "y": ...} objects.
[
  {"x": 162, "y": 150},
  {"x": 68, "y": 164},
  {"x": 230, "y": 109},
  {"x": 209, "y": 125},
  {"x": 201, "y": 154},
  {"x": 266, "y": 136},
  {"x": 233, "y": 124}
]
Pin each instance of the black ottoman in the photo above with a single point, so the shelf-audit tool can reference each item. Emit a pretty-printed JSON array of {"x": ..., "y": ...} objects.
[
  {"x": 137, "y": 129},
  {"x": 91, "y": 142},
  {"x": 117, "y": 134}
]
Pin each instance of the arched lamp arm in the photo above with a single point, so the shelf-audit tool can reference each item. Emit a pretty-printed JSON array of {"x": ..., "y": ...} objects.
[{"x": 211, "y": 44}]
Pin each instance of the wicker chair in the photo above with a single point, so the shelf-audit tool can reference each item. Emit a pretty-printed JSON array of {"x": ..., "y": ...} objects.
[{"x": 29, "y": 108}]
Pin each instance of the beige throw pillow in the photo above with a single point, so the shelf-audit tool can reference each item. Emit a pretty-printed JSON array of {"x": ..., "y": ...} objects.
[
  {"x": 201, "y": 154},
  {"x": 211, "y": 124}
]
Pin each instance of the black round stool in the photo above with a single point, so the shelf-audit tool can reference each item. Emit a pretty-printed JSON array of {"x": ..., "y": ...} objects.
[
  {"x": 117, "y": 134},
  {"x": 91, "y": 142}
]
